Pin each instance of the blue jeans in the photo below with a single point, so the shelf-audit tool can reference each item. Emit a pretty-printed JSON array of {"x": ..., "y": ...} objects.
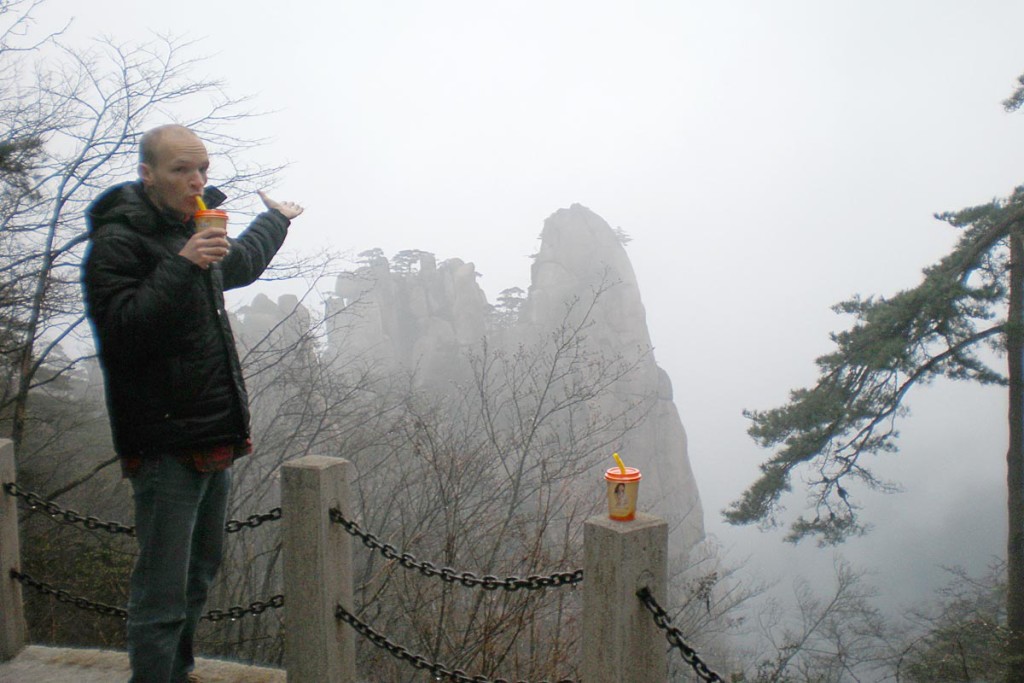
[{"x": 179, "y": 523}]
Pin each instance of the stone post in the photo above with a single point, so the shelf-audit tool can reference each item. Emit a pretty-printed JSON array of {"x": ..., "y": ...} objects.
[
  {"x": 317, "y": 571},
  {"x": 621, "y": 642},
  {"x": 13, "y": 631}
]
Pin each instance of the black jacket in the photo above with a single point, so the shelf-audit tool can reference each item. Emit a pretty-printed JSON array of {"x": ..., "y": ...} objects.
[{"x": 173, "y": 379}]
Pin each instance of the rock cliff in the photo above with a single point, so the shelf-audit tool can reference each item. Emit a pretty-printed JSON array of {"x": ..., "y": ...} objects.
[
  {"x": 580, "y": 254},
  {"x": 414, "y": 314}
]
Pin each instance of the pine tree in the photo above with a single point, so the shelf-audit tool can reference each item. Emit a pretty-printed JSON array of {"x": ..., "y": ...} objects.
[{"x": 968, "y": 303}]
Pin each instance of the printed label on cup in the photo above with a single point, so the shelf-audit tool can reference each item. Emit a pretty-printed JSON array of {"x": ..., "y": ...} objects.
[
  {"x": 210, "y": 218},
  {"x": 623, "y": 489}
]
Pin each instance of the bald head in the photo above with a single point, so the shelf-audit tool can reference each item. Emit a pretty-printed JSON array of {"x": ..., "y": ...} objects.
[
  {"x": 172, "y": 167},
  {"x": 155, "y": 138}
]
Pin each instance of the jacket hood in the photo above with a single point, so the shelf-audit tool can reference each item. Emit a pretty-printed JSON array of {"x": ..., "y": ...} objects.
[{"x": 128, "y": 203}]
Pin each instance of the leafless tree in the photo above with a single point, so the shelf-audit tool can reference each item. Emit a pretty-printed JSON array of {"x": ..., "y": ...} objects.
[
  {"x": 838, "y": 638},
  {"x": 486, "y": 477},
  {"x": 70, "y": 118},
  {"x": 85, "y": 108},
  {"x": 963, "y": 635},
  {"x": 482, "y": 475}
]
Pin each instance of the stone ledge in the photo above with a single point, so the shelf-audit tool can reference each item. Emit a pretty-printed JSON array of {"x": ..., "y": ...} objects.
[{"x": 39, "y": 664}]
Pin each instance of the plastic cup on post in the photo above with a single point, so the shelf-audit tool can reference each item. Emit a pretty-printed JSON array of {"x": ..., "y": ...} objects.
[{"x": 622, "y": 492}]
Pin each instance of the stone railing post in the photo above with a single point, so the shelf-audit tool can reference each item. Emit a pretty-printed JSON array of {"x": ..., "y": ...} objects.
[
  {"x": 13, "y": 631},
  {"x": 317, "y": 571},
  {"x": 621, "y": 642}
]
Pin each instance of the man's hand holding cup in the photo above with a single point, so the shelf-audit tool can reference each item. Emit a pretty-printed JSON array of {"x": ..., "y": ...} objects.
[
  {"x": 210, "y": 243},
  {"x": 207, "y": 246}
]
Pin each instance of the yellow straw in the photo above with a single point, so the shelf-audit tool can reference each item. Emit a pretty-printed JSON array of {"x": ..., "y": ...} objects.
[
  {"x": 618, "y": 460},
  {"x": 200, "y": 203}
]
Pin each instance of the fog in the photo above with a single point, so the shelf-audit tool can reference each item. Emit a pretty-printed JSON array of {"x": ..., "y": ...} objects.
[{"x": 767, "y": 159}]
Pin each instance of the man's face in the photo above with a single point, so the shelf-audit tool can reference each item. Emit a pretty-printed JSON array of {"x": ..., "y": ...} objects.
[{"x": 178, "y": 175}]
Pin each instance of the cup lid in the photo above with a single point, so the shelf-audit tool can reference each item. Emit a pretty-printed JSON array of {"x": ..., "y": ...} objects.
[{"x": 615, "y": 474}]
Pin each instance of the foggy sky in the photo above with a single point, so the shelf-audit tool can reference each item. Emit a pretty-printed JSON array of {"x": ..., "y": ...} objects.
[{"x": 768, "y": 160}]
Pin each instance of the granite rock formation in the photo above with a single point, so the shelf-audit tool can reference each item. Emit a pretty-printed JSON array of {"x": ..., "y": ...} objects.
[
  {"x": 579, "y": 254},
  {"x": 414, "y": 314}
]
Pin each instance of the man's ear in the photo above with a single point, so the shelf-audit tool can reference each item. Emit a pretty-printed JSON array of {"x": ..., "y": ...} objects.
[{"x": 145, "y": 174}]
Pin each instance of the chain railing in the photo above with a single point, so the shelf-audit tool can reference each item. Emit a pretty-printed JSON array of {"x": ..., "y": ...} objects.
[
  {"x": 254, "y": 608},
  {"x": 449, "y": 575},
  {"x": 252, "y": 521},
  {"x": 66, "y": 516},
  {"x": 56, "y": 512},
  {"x": 675, "y": 638},
  {"x": 214, "y": 615},
  {"x": 446, "y": 574},
  {"x": 371, "y": 541},
  {"x": 438, "y": 671},
  {"x": 63, "y": 596}
]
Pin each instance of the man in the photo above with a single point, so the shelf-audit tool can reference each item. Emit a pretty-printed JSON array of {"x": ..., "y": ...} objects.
[{"x": 154, "y": 293}]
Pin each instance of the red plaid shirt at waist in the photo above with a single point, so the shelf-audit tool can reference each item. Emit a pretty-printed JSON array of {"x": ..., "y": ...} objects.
[{"x": 212, "y": 459}]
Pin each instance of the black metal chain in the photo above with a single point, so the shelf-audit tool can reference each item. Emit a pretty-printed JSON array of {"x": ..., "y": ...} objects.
[
  {"x": 65, "y": 597},
  {"x": 449, "y": 575},
  {"x": 438, "y": 671},
  {"x": 253, "y": 521},
  {"x": 675, "y": 638},
  {"x": 37, "y": 502},
  {"x": 213, "y": 615},
  {"x": 238, "y": 612}
]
